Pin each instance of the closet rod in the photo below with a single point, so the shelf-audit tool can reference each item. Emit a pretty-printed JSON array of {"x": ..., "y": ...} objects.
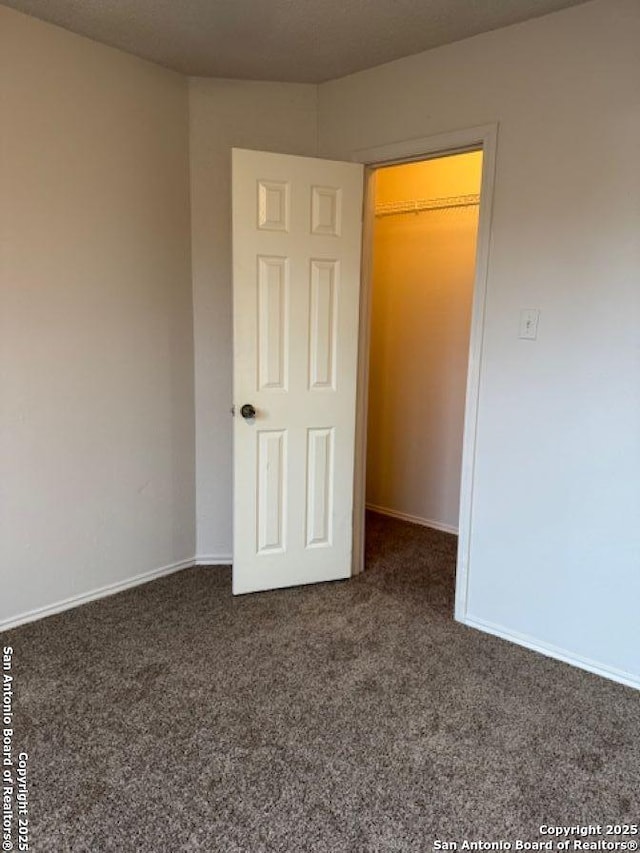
[{"x": 391, "y": 208}]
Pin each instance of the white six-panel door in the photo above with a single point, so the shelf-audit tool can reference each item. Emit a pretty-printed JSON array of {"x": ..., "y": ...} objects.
[{"x": 296, "y": 284}]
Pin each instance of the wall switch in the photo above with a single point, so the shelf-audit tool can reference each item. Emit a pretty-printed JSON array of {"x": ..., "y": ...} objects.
[{"x": 529, "y": 324}]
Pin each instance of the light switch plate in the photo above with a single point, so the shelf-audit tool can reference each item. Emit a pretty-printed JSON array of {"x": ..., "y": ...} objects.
[{"x": 529, "y": 324}]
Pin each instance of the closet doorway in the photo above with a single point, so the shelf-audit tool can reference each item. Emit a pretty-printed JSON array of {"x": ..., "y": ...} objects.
[{"x": 423, "y": 258}]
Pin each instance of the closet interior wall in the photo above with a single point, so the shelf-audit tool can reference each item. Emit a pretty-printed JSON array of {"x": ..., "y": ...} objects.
[{"x": 424, "y": 250}]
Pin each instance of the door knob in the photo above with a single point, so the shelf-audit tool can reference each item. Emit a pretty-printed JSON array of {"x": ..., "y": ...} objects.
[{"x": 248, "y": 411}]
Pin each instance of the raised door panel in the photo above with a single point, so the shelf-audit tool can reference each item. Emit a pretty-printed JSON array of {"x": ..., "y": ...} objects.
[
  {"x": 323, "y": 324},
  {"x": 273, "y": 205},
  {"x": 273, "y": 323},
  {"x": 272, "y": 491},
  {"x": 320, "y": 486},
  {"x": 326, "y": 211}
]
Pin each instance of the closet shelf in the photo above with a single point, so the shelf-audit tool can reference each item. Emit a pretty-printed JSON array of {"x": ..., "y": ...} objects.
[{"x": 392, "y": 208}]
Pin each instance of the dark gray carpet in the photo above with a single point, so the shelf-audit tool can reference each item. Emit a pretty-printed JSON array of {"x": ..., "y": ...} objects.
[{"x": 354, "y": 716}]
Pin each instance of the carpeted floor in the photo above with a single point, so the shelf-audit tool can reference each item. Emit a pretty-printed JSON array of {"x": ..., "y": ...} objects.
[{"x": 353, "y": 716}]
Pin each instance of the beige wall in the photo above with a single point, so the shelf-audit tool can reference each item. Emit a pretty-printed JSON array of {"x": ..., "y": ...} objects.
[
  {"x": 96, "y": 356},
  {"x": 423, "y": 273},
  {"x": 555, "y": 539},
  {"x": 225, "y": 114}
]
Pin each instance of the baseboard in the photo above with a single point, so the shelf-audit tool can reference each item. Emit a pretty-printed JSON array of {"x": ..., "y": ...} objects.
[
  {"x": 551, "y": 651},
  {"x": 101, "y": 592},
  {"x": 213, "y": 560},
  {"x": 413, "y": 519}
]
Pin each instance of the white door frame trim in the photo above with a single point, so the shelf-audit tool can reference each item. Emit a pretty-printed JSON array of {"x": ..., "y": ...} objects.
[{"x": 473, "y": 138}]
